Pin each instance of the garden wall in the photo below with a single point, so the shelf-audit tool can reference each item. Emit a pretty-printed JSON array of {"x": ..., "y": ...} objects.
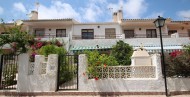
[
  {"x": 40, "y": 76},
  {"x": 130, "y": 84}
]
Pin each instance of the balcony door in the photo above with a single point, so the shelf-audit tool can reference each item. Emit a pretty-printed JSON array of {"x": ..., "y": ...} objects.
[
  {"x": 60, "y": 32},
  {"x": 151, "y": 33},
  {"x": 39, "y": 32},
  {"x": 87, "y": 34},
  {"x": 129, "y": 33},
  {"x": 110, "y": 33}
]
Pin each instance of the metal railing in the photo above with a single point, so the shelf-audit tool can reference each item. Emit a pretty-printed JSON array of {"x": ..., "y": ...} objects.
[
  {"x": 115, "y": 36},
  {"x": 49, "y": 36},
  {"x": 8, "y": 72},
  {"x": 68, "y": 72},
  {"x": 125, "y": 72},
  {"x": 156, "y": 36}
]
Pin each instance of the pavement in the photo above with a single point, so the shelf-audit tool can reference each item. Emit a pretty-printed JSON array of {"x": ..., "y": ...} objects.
[{"x": 122, "y": 96}]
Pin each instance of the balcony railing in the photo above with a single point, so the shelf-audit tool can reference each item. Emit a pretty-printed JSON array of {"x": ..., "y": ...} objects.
[
  {"x": 116, "y": 36},
  {"x": 48, "y": 36},
  {"x": 156, "y": 36},
  {"x": 120, "y": 36}
]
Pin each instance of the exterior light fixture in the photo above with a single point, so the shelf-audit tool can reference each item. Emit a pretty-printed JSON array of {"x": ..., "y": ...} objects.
[{"x": 159, "y": 23}]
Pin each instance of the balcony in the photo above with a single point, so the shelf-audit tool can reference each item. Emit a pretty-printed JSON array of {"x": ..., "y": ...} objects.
[
  {"x": 78, "y": 37},
  {"x": 49, "y": 36},
  {"x": 176, "y": 35}
]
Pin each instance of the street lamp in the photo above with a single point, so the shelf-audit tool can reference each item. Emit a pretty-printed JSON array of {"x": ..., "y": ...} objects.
[{"x": 159, "y": 22}]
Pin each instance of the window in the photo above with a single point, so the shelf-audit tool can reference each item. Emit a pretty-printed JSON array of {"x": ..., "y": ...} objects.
[
  {"x": 87, "y": 33},
  {"x": 172, "y": 32},
  {"x": 39, "y": 32},
  {"x": 60, "y": 32},
  {"x": 151, "y": 33},
  {"x": 110, "y": 33},
  {"x": 129, "y": 33}
]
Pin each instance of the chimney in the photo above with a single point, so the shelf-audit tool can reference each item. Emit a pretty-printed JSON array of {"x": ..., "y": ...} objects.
[
  {"x": 33, "y": 15},
  {"x": 115, "y": 17},
  {"x": 120, "y": 15}
]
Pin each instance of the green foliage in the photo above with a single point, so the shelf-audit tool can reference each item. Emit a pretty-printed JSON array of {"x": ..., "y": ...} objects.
[
  {"x": 122, "y": 52},
  {"x": 17, "y": 39},
  {"x": 95, "y": 59},
  {"x": 178, "y": 64},
  {"x": 51, "y": 49}
]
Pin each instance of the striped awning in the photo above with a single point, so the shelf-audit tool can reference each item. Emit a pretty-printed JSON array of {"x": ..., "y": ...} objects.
[
  {"x": 148, "y": 48},
  {"x": 90, "y": 47}
]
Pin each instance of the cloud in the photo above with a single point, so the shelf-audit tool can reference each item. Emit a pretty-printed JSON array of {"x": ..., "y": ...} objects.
[
  {"x": 155, "y": 15},
  {"x": 131, "y": 8},
  {"x": 19, "y": 7},
  {"x": 184, "y": 14},
  {"x": 1, "y": 10},
  {"x": 92, "y": 12},
  {"x": 58, "y": 10}
]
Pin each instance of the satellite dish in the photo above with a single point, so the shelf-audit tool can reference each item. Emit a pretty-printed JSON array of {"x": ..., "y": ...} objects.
[{"x": 19, "y": 22}]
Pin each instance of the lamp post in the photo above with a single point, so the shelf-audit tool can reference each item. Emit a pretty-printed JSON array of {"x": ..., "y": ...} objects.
[{"x": 159, "y": 23}]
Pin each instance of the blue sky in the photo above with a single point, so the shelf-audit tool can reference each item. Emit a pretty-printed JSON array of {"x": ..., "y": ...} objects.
[{"x": 95, "y": 10}]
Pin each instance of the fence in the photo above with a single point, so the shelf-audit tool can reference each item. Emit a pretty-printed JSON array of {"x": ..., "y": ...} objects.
[{"x": 8, "y": 72}]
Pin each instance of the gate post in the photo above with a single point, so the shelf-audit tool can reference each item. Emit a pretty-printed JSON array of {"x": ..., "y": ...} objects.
[{"x": 82, "y": 72}]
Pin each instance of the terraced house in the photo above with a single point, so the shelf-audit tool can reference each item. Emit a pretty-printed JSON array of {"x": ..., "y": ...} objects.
[
  {"x": 51, "y": 75},
  {"x": 81, "y": 36}
]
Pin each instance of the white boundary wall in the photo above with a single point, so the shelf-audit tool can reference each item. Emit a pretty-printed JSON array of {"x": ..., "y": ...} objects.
[
  {"x": 131, "y": 84},
  {"x": 39, "y": 80}
]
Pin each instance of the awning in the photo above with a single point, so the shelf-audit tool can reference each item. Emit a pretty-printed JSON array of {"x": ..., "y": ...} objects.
[
  {"x": 169, "y": 48},
  {"x": 90, "y": 47}
]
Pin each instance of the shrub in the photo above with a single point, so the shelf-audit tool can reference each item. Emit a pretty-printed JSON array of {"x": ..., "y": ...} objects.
[
  {"x": 122, "y": 52},
  {"x": 178, "y": 64},
  {"x": 95, "y": 59}
]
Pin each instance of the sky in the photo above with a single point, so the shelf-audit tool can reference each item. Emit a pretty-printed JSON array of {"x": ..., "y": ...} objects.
[{"x": 94, "y": 10}]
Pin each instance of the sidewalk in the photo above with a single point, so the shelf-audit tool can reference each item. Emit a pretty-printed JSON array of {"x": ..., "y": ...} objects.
[{"x": 123, "y": 96}]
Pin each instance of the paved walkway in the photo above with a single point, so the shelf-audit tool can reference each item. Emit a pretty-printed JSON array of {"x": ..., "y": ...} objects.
[{"x": 123, "y": 96}]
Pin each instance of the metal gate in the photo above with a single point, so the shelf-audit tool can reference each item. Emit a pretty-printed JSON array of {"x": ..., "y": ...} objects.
[
  {"x": 68, "y": 72},
  {"x": 8, "y": 72}
]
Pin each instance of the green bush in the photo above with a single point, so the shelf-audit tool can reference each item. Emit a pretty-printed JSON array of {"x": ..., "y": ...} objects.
[
  {"x": 122, "y": 52},
  {"x": 95, "y": 59},
  {"x": 178, "y": 64}
]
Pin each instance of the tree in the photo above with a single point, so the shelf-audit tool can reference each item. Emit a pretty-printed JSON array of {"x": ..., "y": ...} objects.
[
  {"x": 122, "y": 52},
  {"x": 16, "y": 38}
]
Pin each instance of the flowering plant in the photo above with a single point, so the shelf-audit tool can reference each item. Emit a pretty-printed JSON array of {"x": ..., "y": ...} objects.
[
  {"x": 37, "y": 44},
  {"x": 96, "y": 60},
  {"x": 178, "y": 64}
]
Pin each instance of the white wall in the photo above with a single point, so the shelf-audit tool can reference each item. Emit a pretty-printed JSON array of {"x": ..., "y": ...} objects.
[
  {"x": 37, "y": 82},
  {"x": 120, "y": 85},
  {"x": 131, "y": 84}
]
